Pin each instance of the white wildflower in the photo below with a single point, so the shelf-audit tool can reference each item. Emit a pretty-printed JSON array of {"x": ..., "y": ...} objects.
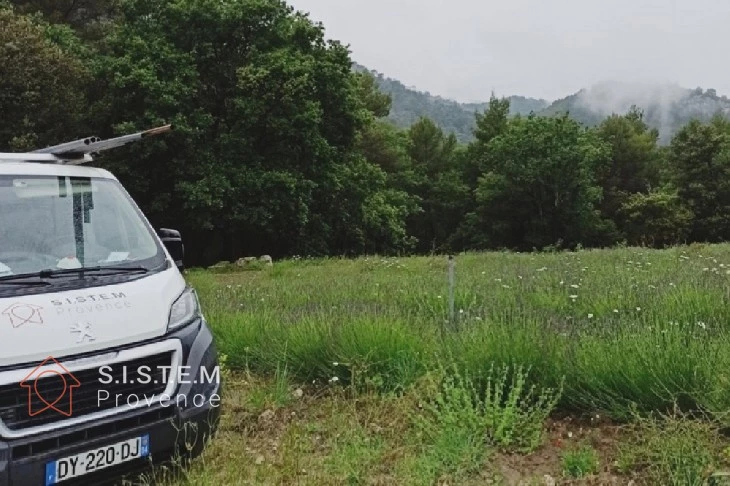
[{"x": 590, "y": 316}]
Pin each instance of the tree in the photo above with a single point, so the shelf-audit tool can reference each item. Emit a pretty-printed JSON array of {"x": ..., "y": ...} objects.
[
  {"x": 382, "y": 147},
  {"x": 41, "y": 86},
  {"x": 438, "y": 183},
  {"x": 365, "y": 213},
  {"x": 374, "y": 101},
  {"x": 489, "y": 125},
  {"x": 88, "y": 17},
  {"x": 493, "y": 122},
  {"x": 538, "y": 188},
  {"x": 633, "y": 164},
  {"x": 267, "y": 115},
  {"x": 386, "y": 146},
  {"x": 657, "y": 219},
  {"x": 700, "y": 162}
]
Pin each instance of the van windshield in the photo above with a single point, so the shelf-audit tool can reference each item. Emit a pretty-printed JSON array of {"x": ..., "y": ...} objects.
[{"x": 52, "y": 223}]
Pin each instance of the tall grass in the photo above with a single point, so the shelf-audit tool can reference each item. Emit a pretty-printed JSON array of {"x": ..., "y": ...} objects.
[{"x": 626, "y": 329}]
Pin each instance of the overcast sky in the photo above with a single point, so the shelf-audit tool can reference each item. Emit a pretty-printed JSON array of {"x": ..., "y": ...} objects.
[{"x": 464, "y": 49}]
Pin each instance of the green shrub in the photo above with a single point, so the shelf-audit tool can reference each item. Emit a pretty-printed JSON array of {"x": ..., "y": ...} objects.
[
  {"x": 498, "y": 409},
  {"x": 673, "y": 450},
  {"x": 580, "y": 461}
]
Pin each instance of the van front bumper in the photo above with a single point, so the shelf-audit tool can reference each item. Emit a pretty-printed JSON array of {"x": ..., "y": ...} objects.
[{"x": 177, "y": 432}]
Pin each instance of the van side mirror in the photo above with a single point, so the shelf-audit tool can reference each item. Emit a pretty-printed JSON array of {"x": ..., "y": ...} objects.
[{"x": 173, "y": 242}]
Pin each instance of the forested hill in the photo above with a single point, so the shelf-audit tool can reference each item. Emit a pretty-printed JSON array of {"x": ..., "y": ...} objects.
[
  {"x": 666, "y": 107},
  {"x": 408, "y": 105}
]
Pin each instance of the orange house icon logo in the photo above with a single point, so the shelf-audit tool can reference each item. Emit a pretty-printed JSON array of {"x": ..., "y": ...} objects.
[{"x": 44, "y": 392}]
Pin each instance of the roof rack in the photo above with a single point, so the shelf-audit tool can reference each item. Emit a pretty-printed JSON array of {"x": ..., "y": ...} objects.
[{"x": 80, "y": 151}]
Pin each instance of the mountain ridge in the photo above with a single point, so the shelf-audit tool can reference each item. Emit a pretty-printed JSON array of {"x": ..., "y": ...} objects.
[
  {"x": 409, "y": 104},
  {"x": 667, "y": 107}
]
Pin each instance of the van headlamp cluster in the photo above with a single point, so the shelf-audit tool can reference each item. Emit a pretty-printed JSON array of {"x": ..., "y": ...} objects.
[{"x": 185, "y": 310}]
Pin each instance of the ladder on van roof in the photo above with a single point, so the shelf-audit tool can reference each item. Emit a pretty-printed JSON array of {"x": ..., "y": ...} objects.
[{"x": 80, "y": 151}]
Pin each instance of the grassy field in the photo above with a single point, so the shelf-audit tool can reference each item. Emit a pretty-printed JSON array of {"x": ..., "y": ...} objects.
[{"x": 593, "y": 367}]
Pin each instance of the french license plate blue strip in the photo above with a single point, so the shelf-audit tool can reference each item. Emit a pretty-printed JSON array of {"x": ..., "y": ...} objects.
[
  {"x": 145, "y": 446},
  {"x": 51, "y": 467},
  {"x": 50, "y": 473}
]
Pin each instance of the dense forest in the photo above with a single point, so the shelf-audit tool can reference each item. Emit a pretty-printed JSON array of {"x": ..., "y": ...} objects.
[{"x": 281, "y": 147}]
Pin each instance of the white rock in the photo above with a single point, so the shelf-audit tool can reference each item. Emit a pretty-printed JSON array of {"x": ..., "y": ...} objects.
[
  {"x": 245, "y": 261},
  {"x": 266, "y": 415}
]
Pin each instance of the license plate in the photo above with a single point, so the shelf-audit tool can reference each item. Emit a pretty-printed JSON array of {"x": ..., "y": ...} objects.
[{"x": 97, "y": 459}]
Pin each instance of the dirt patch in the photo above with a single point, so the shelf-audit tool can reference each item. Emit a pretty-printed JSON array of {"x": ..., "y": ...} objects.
[{"x": 544, "y": 466}]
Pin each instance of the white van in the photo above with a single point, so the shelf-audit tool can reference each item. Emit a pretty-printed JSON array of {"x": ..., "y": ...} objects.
[{"x": 107, "y": 363}]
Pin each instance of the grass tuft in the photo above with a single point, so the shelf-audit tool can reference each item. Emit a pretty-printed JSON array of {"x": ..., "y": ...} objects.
[
  {"x": 673, "y": 449},
  {"x": 579, "y": 462}
]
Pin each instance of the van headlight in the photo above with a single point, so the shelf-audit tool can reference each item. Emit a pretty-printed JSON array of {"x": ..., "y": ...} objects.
[{"x": 185, "y": 310}]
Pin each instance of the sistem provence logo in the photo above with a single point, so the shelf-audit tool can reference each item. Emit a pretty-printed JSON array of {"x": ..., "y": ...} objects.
[{"x": 50, "y": 388}]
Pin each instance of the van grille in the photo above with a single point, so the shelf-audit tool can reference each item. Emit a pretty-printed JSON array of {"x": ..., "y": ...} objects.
[{"x": 22, "y": 408}]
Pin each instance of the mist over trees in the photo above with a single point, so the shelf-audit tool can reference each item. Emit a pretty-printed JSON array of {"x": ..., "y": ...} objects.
[
  {"x": 665, "y": 107},
  {"x": 281, "y": 147}
]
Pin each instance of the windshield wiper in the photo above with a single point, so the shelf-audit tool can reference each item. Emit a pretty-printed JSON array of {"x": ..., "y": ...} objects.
[
  {"x": 40, "y": 278},
  {"x": 20, "y": 281},
  {"x": 95, "y": 270}
]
